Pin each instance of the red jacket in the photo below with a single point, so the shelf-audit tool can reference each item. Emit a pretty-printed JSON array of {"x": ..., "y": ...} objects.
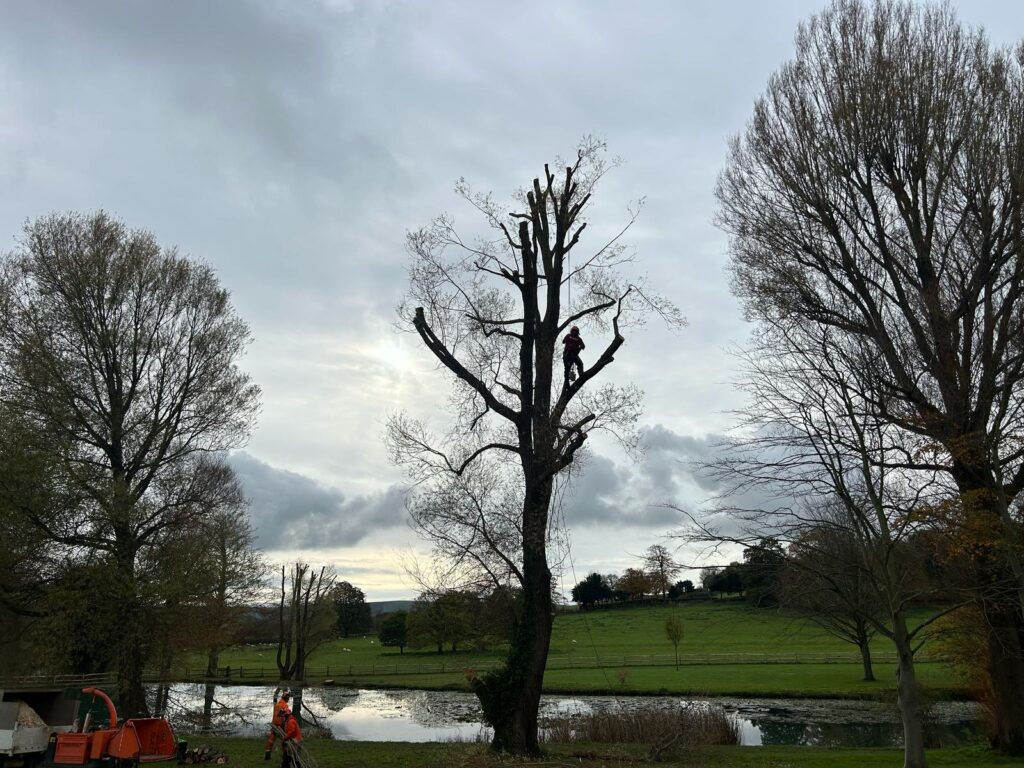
[
  {"x": 573, "y": 344},
  {"x": 292, "y": 732}
]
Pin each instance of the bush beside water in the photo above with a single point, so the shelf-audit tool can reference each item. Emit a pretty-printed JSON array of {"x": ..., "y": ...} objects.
[{"x": 692, "y": 725}]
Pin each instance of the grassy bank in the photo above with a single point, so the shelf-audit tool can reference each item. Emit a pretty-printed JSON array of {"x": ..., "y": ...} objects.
[
  {"x": 248, "y": 753},
  {"x": 727, "y": 649},
  {"x": 786, "y": 680}
]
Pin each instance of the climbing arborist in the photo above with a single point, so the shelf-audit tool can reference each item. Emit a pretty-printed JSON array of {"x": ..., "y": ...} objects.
[
  {"x": 280, "y": 716},
  {"x": 292, "y": 738},
  {"x": 573, "y": 345}
]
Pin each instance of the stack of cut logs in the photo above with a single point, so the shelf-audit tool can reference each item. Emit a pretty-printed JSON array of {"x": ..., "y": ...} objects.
[{"x": 204, "y": 755}]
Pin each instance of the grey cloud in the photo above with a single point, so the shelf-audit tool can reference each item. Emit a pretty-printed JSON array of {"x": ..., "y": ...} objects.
[
  {"x": 671, "y": 456},
  {"x": 645, "y": 495},
  {"x": 292, "y": 511},
  {"x": 615, "y": 495}
]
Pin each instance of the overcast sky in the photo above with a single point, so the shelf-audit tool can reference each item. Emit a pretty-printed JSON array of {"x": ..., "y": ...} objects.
[{"x": 292, "y": 144}]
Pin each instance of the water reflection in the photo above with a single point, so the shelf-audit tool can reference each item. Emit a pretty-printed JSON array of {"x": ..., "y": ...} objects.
[{"x": 408, "y": 715}]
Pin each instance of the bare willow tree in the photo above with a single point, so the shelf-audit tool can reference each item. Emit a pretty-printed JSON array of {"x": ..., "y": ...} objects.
[
  {"x": 123, "y": 357},
  {"x": 492, "y": 310},
  {"x": 879, "y": 191}
]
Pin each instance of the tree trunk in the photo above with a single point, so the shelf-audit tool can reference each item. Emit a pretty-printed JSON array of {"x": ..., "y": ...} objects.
[
  {"x": 212, "y": 662},
  {"x": 510, "y": 697},
  {"x": 907, "y": 694},
  {"x": 1006, "y": 672},
  {"x": 129, "y": 640},
  {"x": 864, "y": 643},
  {"x": 206, "y": 724},
  {"x": 999, "y": 565},
  {"x": 865, "y": 658}
]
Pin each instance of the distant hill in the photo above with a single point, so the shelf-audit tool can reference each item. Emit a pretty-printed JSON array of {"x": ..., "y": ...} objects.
[{"x": 388, "y": 606}]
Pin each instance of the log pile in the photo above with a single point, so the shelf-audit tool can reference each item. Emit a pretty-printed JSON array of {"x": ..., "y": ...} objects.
[{"x": 204, "y": 754}]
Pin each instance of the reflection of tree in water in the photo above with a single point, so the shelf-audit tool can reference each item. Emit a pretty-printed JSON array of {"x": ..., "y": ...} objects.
[
  {"x": 313, "y": 707},
  {"x": 777, "y": 732},
  {"x": 782, "y": 732},
  {"x": 434, "y": 709},
  {"x": 215, "y": 710},
  {"x": 334, "y": 699}
]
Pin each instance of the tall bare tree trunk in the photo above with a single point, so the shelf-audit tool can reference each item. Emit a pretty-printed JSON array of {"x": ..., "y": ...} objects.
[{"x": 510, "y": 697}]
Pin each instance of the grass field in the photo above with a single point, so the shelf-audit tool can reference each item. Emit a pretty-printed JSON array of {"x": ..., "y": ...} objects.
[
  {"x": 727, "y": 649},
  {"x": 248, "y": 753}
]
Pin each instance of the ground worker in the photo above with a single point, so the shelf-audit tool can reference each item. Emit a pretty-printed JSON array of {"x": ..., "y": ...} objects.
[
  {"x": 573, "y": 343},
  {"x": 292, "y": 738},
  {"x": 278, "y": 718}
]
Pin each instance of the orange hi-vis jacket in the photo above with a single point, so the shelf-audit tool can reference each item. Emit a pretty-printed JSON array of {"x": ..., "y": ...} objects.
[
  {"x": 281, "y": 712},
  {"x": 292, "y": 732}
]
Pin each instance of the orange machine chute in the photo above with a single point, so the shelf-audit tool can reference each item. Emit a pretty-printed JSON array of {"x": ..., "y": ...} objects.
[{"x": 137, "y": 740}]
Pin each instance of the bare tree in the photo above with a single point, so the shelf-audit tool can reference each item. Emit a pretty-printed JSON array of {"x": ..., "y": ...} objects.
[
  {"x": 305, "y": 617},
  {"x": 125, "y": 354},
  {"x": 661, "y": 568},
  {"x": 878, "y": 192},
  {"x": 827, "y": 583},
  {"x": 492, "y": 312},
  {"x": 674, "y": 631},
  {"x": 826, "y": 463},
  {"x": 235, "y": 573}
]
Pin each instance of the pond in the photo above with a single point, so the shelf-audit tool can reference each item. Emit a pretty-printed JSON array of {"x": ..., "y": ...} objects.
[{"x": 411, "y": 715}]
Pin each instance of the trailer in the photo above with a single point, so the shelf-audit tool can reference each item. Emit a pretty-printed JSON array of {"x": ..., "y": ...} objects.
[{"x": 28, "y": 717}]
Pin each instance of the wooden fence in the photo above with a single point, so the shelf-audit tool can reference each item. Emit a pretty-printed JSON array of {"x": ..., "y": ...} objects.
[{"x": 341, "y": 672}]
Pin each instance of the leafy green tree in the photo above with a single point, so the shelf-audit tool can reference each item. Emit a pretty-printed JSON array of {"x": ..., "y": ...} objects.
[
  {"x": 764, "y": 563},
  {"x": 680, "y": 588},
  {"x": 394, "y": 632},
  {"x": 592, "y": 589},
  {"x": 442, "y": 618},
  {"x": 353, "y": 612},
  {"x": 124, "y": 356}
]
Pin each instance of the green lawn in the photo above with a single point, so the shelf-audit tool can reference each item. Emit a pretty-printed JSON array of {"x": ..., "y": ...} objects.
[
  {"x": 727, "y": 649},
  {"x": 248, "y": 753}
]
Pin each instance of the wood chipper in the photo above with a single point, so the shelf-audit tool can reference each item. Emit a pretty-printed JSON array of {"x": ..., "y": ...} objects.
[{"x": 136, "y": 740}]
